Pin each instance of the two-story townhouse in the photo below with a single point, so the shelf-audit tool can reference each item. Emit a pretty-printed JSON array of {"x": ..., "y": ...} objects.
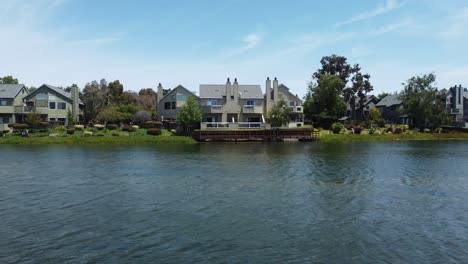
[
  {"x": 282, "y": 92},
  {"x": 53, "y": 104},
  {"x": 370, "y": 102},
  {"x": 232, "y": 105},
  {"x": 170, "y": 103},
  {"x": 390, "y": 106},
  {"x": 11, "y": 95},
  {"x": 457, "y": 104}
]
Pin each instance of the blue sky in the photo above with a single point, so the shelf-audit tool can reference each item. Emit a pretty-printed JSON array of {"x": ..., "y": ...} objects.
[{"x": 187, "y": 42}]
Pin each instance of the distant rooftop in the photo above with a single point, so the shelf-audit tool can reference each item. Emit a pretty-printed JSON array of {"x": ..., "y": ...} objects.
[
  {"x": 217, "y": 91},
  {"x": 10, "y": 90}
]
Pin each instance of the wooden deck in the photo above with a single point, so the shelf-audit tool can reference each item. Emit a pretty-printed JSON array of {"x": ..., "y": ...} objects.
[{"x": 255, "y": 135}]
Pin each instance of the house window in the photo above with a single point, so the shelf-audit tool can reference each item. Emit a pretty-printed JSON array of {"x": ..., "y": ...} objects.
[
  {"x": 5, "y": 120},
  {"x": 167, "y": 105},
  {"x": 251, "y": 102},
  {"x": 61, "y": 120},
  {"x": 173, "y": 104},
  {"x": 52, "y": 119},
  {"x": 61, "y": 105},
  {"x": 51, "y": 105},
  {"x": 212, "y": 102},
  {"x": 41, "y": 97},
  {"x": 52, "y": 97},
  {"x": 3, "y": 102},
  {"x": 181, "y": 97}
]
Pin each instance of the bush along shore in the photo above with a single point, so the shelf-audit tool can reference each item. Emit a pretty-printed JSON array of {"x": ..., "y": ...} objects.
[
  {"x": 340, "y": 133},
  {"x": 99, "y": 134}
]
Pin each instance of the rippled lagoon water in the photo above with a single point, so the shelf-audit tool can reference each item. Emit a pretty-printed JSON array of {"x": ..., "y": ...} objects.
[{"x": 237, "y": 203}]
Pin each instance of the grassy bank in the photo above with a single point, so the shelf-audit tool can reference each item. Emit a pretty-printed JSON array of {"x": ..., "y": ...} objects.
[
  {"x": 102, "y": 138},
  {"x": 326, "y": 137}
]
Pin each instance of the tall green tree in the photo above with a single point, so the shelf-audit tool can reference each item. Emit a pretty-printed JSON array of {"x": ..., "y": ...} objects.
[
  {"x": 422, "y": 102},
  {"x": 278, "y": 115},
  {"x": 324, "y": 100},
  {"x": 115, "y": 92},
  {"x": 8, "y": 80},
  {"x": 355, "y": 85},
  {"x": 189, "y": 114}
]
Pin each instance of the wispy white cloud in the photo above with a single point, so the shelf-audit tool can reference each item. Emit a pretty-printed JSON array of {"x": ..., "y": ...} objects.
[
  {"x": 388, "y": 6},
  {"x": 309, "y": 42},
  {"x": 391, "y": 27},
  {"x": 249, "y": 42}
]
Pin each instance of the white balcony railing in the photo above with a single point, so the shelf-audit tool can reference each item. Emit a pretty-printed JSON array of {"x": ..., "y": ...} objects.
[
  {"x": 250, "y": 125},
  {"x": 226, "y": 125},
  {"x": 296, "y": 109}
]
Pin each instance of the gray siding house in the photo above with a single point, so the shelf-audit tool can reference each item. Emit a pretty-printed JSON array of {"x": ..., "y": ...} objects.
[
  {"x": 170, "y": 103},
  {"x": 239, "y": 106},
  {"x": 11, "y": 98},
  {"x": 390, "y": 107},
  {"x": 231, "y": 105},
  {"x": 53, "y": 105},
  {"x": 457, "y": 104}
]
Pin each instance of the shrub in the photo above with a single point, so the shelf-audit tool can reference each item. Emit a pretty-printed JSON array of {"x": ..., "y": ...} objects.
[
  {"x": 389, "y": 129},
  {"x": 154, "y": 131},
  {"x": 427, "y": 130},
  {"x": 87, "y": 134},
  {"x": 115, "y": 134},
  {"x": 112, "y": 126},
  {"x": 70, "y": 131},
  {"x": 151, "y": 124},
  {"x": 20, "y": 126},
  {"x": 372, "y": 131},
  {"x": 439, "y": 130},
  {"x": 60, "y": 129},
  {"x": 132, "y": 129},
  {"x": 398, "y": 130},
  {"x": 141, "y": 117},
  {"x": 99, "y": 127},
  {"x": 100, "y": 135},
  {"x": 125, "y": 127},
  {"x": 337, "y": 127},
  {"x": 78, "y": 127},
  {"x": 357, "y": 130},
  {"x": 136, "y": 127}
]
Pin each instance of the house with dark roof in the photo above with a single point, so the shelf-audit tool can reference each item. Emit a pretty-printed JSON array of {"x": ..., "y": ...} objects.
[
  {"x": 169, "y": 103},
  {"x": 53, "y": 104},
  {"x": 390, "y": 106},
  {"x": 361, "y": 113},
  {"x": 11, "y": 96},
  {"x": 457, "y": 104}
]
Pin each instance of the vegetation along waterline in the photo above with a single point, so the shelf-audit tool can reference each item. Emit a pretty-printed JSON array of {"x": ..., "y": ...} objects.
[{"x": 104, "y": 137}]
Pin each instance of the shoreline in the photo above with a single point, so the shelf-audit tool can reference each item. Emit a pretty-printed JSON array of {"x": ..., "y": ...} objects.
[{"x": 168, "y": 140}]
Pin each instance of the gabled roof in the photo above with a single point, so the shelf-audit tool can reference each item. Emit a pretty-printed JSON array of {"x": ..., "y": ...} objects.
[
  {"x": 175, "y": 89},
  {"x": 210, "y": 91},
  {"x": 10, "y": 90},
  {"x": 389, "y": 100},
  {"x": 55, "y": 89},
  {"x": 282, "y": 86}
]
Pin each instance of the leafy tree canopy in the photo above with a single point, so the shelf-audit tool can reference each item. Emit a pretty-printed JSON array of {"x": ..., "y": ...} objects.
[
  {"x": 278, "y": 115},
  {"x": 8, "y": 80}
]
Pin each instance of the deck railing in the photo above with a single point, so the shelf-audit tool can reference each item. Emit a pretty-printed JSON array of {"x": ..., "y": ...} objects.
[{"x": 251, "y": 125}]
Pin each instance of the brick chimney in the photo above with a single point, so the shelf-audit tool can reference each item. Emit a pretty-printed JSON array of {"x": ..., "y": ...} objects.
[
  {"x": 275, "y": 90},
  {"x": 75, "y": 96},
  {"x": 268, "y": 93},
  {"x": 160, "y": 93},
  {"x": 236, "y": 90},
  {"x": 228, "y": 89}
]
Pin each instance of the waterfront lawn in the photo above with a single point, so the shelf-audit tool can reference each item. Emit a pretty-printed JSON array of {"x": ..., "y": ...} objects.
[
  {"x": 328, "y": 136},
  {"x": 104, "y": 137}
]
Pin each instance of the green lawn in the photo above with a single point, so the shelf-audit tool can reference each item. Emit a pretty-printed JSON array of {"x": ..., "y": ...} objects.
[
  {"x": 105, "y": 137},
  {"x": 326, "y": 136}
]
